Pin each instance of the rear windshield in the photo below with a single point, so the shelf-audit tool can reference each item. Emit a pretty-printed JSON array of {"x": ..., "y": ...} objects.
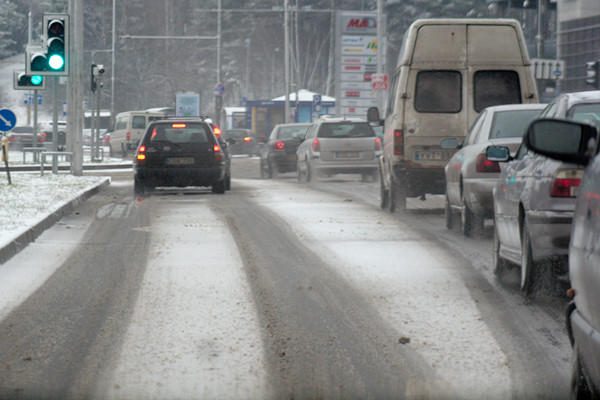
[
  {"x": 509, "y": 124},
  {"x": 236, "y": 134},
  {"x": 494, "y": 88},
  {"x": 438, "y": 92},
  {"x": 186, "y": 134},
  {"x": 339, "y": 130},
  {"x": 588, "y": 113},
  {"x": 138, "y": 122},
  {"x": 292, "y": 132}
]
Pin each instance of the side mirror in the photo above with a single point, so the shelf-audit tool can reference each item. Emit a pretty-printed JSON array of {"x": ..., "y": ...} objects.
[
  {"x": 562, "y": 140},
  {"x": 450, "y": 144},
  {"x": 373, "y": 116},
  {"x": 498, "y": 153}
]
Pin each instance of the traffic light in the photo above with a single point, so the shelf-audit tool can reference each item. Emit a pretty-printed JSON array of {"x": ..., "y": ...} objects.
[
  {"x": 592, "y": 70},
  {"x": 23, "y": 81},
  {"x": 97, "y": 72},
  {"x": 52, "y": 58}
]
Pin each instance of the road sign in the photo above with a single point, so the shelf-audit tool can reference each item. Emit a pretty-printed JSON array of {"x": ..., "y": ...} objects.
[
  {"x": 316, "y": 102},
  {"x": 8, "y": 120},
  {"x": 380, "y": 81},
  {"x": 547, "y": 68},
  {"x": 219, "y": 89},
  {"x": 187, "y": 104}
]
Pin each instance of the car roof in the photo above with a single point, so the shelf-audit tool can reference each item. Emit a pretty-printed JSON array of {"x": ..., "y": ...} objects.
[
  {"x": 340, "y": 119},
  {"x": 295, "y": 124},
  {"x": 590, "y": 96},
  {"x": 517, "y": 107}
]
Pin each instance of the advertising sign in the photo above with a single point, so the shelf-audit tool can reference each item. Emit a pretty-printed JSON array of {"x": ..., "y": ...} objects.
[{"x": 187, "y": 104}]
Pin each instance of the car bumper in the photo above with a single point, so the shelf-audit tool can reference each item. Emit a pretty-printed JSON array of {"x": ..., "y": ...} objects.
[
  {"x": 478, "y": 195},
  {"x": 421, "y": 180},
  {"x": 284, "y": 162},
  {"x": 180, "y": 177},
  {"x": 550, "y": 233},
  {"x": 587, "y": 339},
  {"x": 345, "y": 167}
]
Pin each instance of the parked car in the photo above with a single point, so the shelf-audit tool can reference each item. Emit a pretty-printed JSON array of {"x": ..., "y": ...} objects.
[
  {"x": 447, "y": 73},
  {"x": 577, "y": 143},
  {"x": 180, "y": 153},
  {"x": 338, "y": 146},
  {"x": 241, "y": 141},
  {"x": 22, "y": 136},
  {"x": 470, "y": 177},
  {"x": 534, "y": 199},
  {"x": 278, "y": 155}
]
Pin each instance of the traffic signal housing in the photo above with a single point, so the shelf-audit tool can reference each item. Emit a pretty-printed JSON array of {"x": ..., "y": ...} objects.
[
  {"x": 24, "y": 81},
  {"x": 592, "y": 71},
  {"x": 52, "y": 58},
  {"x": 96, "y": 74}
]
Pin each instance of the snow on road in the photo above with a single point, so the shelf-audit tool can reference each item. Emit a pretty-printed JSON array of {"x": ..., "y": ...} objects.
[
  {"x": 194, "y": 331},
  {"x": 410, "y": 280}
]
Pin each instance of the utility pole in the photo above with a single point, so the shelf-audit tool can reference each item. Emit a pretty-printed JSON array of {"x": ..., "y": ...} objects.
[
  {"x": 286, "y": 62},
  {"x": 113, "y": 60},
  {"x": 218, "y": 97},
  {"x": 539, "y": 38},
  {"x": 380, "y": 52},
  {"x": 75, "y": 93}
]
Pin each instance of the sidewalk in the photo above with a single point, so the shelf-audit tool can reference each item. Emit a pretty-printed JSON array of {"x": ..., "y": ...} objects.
[{"x": 34, "y": 203}]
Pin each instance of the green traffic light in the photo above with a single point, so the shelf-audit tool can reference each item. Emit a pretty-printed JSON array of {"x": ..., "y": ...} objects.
[
  {"x": 56, "y": 62},
  {"x": 37, "y": 80}
]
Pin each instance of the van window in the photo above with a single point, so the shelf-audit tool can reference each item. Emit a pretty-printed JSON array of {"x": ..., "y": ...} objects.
[
  {"x": 494, "y": 88},
  {"x": 121, "y": 124},
  {"x": 391, "y": 101},
  {"x": 438, "y": 92},
  {"x": 138, "y": 122}
]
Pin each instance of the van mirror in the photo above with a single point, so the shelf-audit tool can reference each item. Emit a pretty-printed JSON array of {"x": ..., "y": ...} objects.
[
  {"x": 497, "y": 153},
  {"x": 450, "y": 143},
  {"x": 373, "y": 116},
  {"x": 567, "y": 141}
]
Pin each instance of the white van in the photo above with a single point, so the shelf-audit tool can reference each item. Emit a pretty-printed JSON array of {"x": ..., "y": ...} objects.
[
  {"x": 448, "y": 71},
  {"x": 129, "y": 128}
]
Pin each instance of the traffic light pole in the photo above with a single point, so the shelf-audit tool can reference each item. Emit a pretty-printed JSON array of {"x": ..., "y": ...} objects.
[
  {"x": 35, "y": 120},
  {"x": 55, "y": 123}
]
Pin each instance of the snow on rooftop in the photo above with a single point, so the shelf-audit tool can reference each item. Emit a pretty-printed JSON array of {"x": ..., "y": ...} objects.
[{"x": 304, "y": 95}]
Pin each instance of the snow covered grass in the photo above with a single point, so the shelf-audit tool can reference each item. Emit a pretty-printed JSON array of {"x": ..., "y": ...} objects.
[{"x": 31, "y": 198}]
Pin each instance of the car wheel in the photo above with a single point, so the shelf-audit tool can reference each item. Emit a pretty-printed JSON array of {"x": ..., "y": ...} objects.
[
  {"x": 448, "y": 214},
  {"x": 123, "y": 150},
  {"x": 529, "y": 268},
  {"x": 383, "y": 193},
  {"x": 219, "y": 187},
  {"x": 580, "y": 389},
  {"x": 391, "y": 206},
  {"x": 273, "y": 172},
  {"x": 471, "y": 223},
  {"x": 498, "y": 263},
  {"x": 309, "y": 172},
  {"x": 138, "y": 187},
  {"x": 228, "y": 182}
]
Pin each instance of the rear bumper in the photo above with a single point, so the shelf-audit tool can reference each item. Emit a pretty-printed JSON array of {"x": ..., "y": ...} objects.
[
  {"x": 587, "y": 339},
  {"x": 550, "y": 233},
  {"x": 180, "y": 177},
  {"x": 284, "y": 162},
  {"x": 344, "y": 167},
  {"x": 421, "y": 180},
  {"x": 478, "y": 195}
]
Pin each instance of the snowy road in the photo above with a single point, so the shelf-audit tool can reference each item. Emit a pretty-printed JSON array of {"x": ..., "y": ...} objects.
[{"x": 275, "y": 290}]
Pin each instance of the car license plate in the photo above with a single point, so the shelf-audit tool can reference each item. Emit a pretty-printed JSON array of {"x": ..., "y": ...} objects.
[
  {"x": 429, "y": 155},
  {"x": 347, "y": 154},
  {"x": 180, "y": 161}
]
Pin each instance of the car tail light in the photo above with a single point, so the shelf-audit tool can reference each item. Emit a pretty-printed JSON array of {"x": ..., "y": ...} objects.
[
  {"x": 41, "y": 137},
  {"x": 141, "y": 153},
  {"x": 398, "y": 142},
  {"x": 279, "y": 145},
  {"x": 217, "y": 131},
  {"x": 106, "y": 139},
  {"x": 566, "y": 182},
  {"x": 218, "y": 153},
  {"x": 247, "y": 139},
  {"x": 484, "y": 165},
  {"x": 128, "y": 136},
  {"x": 377, "y": 144},
  {"x": 316, "y": 145}
]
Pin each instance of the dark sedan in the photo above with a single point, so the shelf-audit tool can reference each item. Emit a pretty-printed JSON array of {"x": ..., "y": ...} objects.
[
  {"x": 241, "y": 141},
  {"x": 278, "y": 155}
]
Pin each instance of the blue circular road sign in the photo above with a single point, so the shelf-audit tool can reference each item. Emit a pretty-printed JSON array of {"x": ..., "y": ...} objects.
[{"x": 8, "y": 120}]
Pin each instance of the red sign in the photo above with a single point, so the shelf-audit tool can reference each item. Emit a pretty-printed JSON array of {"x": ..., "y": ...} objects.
[
  {"x": 352, "y": 93},
  {"x": 380, "y": 81},
  {"x": 361, "y": 23}
]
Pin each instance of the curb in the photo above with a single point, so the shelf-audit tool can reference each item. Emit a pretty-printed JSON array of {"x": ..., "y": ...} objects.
[{"x": 20, "y": 242}]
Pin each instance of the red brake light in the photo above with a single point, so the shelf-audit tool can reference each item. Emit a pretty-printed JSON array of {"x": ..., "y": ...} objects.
[
  {"x": 316, "y": 145},
  {"x": 566, "y": 182},
  {"x": 141, "y": 153},
  {"x": 484, "y": 165},
  {"x": 179, "y": 126},
  {"x": 217, "y": 152},
  {"x": 247, "y": 139},
  {"x": 377, "y": 144},
  {"x": 398, "y": 142},
  {"x": 279, "y": 145}
]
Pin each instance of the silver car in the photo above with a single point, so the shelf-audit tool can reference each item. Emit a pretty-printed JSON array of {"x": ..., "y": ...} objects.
[
  {"x": 470, "y": 177},
  {"x": 534, "y": 200},
  {"x": 339, "y": 146}
]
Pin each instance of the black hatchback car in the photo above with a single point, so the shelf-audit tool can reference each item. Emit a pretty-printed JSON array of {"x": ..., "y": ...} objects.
[
  {"x": 278, "y": 155},
  {"x": 180, "y": 153}
]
